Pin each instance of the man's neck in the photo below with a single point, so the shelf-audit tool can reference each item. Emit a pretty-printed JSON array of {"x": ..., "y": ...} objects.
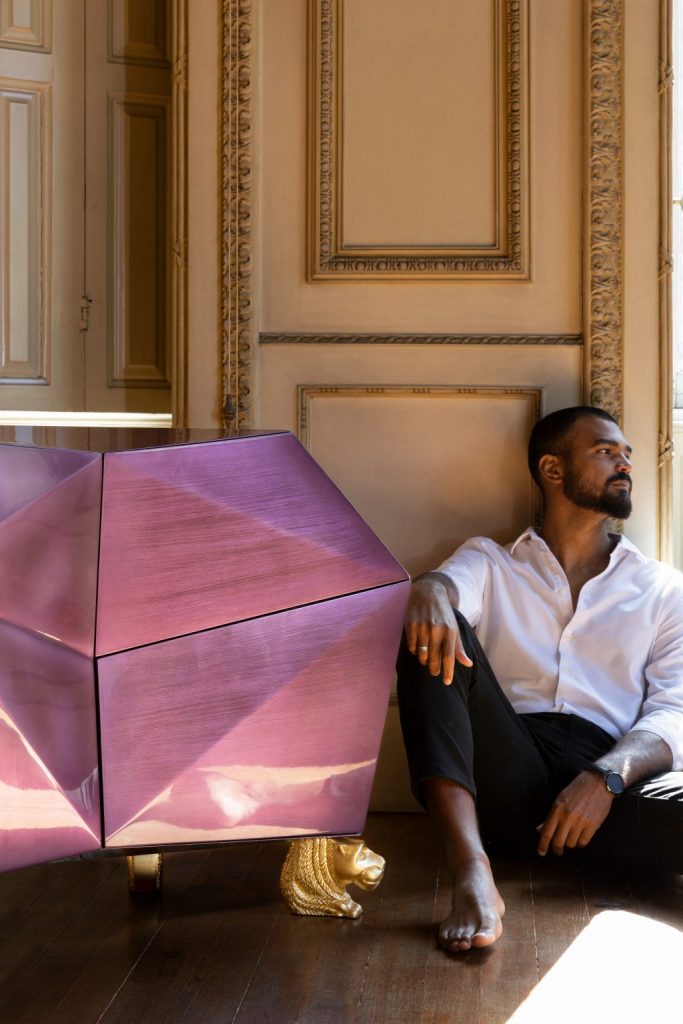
[{"x": 578, "y": 538}]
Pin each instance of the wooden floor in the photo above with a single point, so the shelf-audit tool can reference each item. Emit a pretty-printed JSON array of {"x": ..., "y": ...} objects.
[{"x": 219, "y": 946}]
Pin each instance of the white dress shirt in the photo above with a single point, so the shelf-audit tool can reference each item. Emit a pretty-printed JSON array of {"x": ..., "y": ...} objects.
[{"x": 617, "y": 660}]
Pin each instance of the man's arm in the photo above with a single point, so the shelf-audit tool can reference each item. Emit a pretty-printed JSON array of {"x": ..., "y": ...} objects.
[
  {"x": 432, "y": 632},
  {"x": 580, "y": 809}
]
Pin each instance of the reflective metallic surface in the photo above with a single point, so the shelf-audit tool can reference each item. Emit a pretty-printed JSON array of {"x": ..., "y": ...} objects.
[
  {"x": 49, "y": 527},
  {"x": 263, "y": 728},
  {"x": 49, "y": 784},
  {"x": 316, "y": 872},
  {"x": 224, "y": 532},
  {"x": 237, "y": 618}
]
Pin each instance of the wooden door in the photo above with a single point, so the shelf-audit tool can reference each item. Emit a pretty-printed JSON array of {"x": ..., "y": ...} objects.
[
  {"x": 85, "y": 96},
  {"x": 127, "y": 176},
  {"x": 41, "y": 205}
]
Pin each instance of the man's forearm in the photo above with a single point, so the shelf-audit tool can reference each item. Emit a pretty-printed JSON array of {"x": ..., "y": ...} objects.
[
  {"x": 637, "y": 756},
  {"x": 582, "y": 806}
]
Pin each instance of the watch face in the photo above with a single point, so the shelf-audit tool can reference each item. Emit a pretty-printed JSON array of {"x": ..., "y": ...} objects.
[{"x": 614, "y": 783}]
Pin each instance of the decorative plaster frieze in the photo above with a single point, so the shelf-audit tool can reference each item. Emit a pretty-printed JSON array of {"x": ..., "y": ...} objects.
[
  {"x": 603, "y": 327},
  {"x": 236, "y": 212},
  {"x": 419, "y": 339}
]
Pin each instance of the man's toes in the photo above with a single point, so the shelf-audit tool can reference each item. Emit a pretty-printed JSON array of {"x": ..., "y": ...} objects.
[
  {"x": 453, "y": 939},
  {"x": 485, "y": 937}
]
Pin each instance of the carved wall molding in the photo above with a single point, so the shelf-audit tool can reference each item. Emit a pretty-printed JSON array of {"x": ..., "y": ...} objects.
[
  {"x": 329, "y": 255},
  {"x": 666, "y": 371},
  {"x": 604, "y": 235},
  {"x": 419, "y": 339},
  {"x": 307, "y": 392},
  {"x": 236, "y": 212}
]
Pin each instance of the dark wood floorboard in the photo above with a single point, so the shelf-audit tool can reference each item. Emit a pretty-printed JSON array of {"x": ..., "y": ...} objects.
[{"x": 219, "y": 945}]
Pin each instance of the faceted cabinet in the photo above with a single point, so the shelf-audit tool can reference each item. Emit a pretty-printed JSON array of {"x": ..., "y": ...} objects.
[{"x": 196, "y": 645}]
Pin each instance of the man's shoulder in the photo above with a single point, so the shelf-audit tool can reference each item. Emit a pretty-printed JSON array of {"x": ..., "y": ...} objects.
[
  {"x": 491, "y": 549},
  {"x": 651, "y": 569}
]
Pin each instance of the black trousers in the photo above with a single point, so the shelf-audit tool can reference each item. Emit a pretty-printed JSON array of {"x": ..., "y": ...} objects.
[{"x": 516, "y": 764}]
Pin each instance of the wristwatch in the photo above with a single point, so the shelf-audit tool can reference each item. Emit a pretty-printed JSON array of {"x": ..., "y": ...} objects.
[{"x": 613, "y": 780}]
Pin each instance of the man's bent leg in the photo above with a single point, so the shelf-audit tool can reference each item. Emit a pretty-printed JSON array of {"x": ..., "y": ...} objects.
[
  {"x": 468, "y": 732},
  {"x": 462, "y": 739},
  {"x": 477, "y": 907}
]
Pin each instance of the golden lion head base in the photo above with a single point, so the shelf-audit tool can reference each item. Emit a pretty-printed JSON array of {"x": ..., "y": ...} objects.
[{"x": 316, "y": 872}]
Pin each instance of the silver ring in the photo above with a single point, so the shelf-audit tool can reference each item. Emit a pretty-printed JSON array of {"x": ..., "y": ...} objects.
[{"x": 423, "y": 648}]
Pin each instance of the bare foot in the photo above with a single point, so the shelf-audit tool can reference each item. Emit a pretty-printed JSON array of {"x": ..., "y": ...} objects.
[{"x": 475, "y": 918}]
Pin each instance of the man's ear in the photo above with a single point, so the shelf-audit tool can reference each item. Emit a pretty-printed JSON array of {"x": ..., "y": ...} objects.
[{"x": 550, "y": 469}]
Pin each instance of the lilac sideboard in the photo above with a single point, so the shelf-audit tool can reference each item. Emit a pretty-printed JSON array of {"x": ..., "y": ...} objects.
[{"x": 197, "y": 637}]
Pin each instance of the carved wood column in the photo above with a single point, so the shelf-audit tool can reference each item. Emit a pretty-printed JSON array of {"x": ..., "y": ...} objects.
[
  {"x": 236, "y": 212},
  {"x": 604, "y": 213}
]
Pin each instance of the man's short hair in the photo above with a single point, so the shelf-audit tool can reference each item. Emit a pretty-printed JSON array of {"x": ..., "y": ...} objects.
[{"x": 549, "y": 434}]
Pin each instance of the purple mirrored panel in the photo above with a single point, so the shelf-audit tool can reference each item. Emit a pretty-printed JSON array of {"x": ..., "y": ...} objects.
[
  {"x": 248, "y": 620},
  {"x": 49, "y": 781},
  {"x": 49, "y": 537},
  {"x": 269, "y": 727},
  {"x": 199, "y": 536}
]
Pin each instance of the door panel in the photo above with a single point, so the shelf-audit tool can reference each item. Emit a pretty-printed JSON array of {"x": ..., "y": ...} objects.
[
  {"x": 41, "y": 205},
  {"x": 85, "y": 176},
  {"x": 128, "y": 97}
]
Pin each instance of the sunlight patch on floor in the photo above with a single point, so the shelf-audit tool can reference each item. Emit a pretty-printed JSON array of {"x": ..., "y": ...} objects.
[{"x": 622, "y": 967}]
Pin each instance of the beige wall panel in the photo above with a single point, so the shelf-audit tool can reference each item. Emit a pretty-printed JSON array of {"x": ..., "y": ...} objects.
[
  {"x": 26, "y": 24},
  {"x": 449, "y": 455},
  {"x": 549, "y": 302},
  {"x": 139, "y": 159},
  {"x": 139, "y": 31},
  {"x": 394, "y": 455},
  {"x": 413, "y": 134},
  {"x": 25, "y": 226}
]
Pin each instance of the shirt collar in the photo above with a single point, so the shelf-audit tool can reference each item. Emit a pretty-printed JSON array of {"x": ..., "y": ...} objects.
[{"x": 621, "y": 549}]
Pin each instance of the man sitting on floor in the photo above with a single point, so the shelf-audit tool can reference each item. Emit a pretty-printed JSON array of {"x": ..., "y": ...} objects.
[{"x": 579, "y": 695}]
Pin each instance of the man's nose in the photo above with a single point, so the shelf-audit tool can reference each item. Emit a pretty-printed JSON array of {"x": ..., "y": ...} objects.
[{"x": 624, "y": 463}]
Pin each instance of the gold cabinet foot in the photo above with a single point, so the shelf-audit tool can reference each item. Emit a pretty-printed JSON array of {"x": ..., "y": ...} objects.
[
  {"x": 316, "y": 872},
  {"x": 144, "y": 872}
]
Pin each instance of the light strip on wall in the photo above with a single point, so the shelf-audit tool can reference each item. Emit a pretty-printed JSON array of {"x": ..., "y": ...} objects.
[{"x": 85, "y": 419}]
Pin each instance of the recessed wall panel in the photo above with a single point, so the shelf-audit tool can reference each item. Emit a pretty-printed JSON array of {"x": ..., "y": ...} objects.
[
  {"x": 26, "y": 24},
  {"x": 139, "y": 32},
  {"x": 419, "y": 124},
  {"x": 455, "y": 464},
  {"x": 139, "y": 269},
  {"x": 24, "y": 216},
  {"x": 418, "y": 142}
]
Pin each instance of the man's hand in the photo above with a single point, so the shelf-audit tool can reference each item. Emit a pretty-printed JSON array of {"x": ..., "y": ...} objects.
[
  {"x": 576, "y": 815},
  {"x": 431, "y": 630}
]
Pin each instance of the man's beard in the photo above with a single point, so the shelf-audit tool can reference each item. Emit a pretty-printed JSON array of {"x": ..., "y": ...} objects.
[{"x": 616, "y": 504}]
